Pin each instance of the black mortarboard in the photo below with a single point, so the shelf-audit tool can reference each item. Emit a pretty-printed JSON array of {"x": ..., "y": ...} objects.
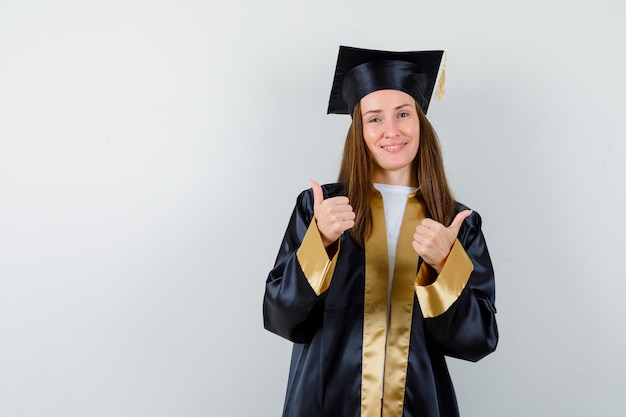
[{"x": 363, "y": 71}]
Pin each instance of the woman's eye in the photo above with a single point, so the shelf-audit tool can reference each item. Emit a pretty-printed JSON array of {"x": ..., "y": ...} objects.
[
  {"x": 374, "y": 120},
  {"x": 403, "y": 114}
]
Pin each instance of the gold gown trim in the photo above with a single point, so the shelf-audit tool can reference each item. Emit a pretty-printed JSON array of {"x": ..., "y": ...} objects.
[
  {"x": 382, "y": 344},
  {"x": 436, "y": 298},
  {"x": 316, "y": 266}
]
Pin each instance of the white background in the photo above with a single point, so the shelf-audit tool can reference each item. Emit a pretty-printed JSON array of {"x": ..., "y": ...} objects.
[{"x": 151, "y": 153}]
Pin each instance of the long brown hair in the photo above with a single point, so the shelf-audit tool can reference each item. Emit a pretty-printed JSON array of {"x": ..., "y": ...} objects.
[{"x": 357, "y": 169}]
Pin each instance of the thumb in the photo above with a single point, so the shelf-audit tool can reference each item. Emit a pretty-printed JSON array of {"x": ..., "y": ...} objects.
[
  {"x": 318, "y": 194},
  {"x": 458, "y": 220}
]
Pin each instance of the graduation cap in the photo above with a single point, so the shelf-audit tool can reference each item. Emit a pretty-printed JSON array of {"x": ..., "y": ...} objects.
[{"x": 363, "y": 71}]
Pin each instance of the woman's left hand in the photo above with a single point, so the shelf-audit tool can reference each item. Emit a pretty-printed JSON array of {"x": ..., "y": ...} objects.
[{"x": 433, "y": 241}]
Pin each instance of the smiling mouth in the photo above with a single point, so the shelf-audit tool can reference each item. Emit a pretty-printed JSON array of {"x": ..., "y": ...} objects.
[{"x": 393, "y": 148}]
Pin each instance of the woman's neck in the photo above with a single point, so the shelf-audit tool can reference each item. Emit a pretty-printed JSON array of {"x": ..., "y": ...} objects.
[{"x": 404, "y": 177}]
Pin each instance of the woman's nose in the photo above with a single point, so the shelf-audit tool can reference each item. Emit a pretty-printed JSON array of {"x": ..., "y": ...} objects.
[{"x": 391, "y": 129}]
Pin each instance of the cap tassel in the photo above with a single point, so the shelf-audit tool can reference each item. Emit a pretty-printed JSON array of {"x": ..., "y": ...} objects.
[{"x": 440, "y": 91}]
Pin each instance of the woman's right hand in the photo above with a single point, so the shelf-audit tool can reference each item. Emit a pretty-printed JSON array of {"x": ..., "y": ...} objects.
[{"x": 333, "y": 215}]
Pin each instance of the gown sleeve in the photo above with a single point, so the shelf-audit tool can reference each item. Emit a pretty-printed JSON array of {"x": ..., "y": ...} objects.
[
  {"x": 295, "y": 288},
  {"x": 459, "y": 307}
]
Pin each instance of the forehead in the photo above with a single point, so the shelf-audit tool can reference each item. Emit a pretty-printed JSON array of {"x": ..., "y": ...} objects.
[{"x": 385, "y": 99}]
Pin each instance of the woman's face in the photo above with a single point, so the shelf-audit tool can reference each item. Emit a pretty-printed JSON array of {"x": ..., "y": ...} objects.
[{"x": 391, "y": 131}]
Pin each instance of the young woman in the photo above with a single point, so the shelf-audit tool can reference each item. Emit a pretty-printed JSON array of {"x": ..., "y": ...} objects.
[{"x": 382, "y": 274}]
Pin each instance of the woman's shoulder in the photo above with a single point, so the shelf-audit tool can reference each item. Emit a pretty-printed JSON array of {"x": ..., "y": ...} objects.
[
  {"x": 330, "y": 190},
  {"x": 458, "y": 206},
  {"x": 305, "y": 198},
  {"x": 473, "y": 221},
  {"x": 334, "y": 189}
]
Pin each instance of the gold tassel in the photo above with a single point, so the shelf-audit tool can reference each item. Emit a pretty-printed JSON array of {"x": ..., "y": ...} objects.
[{"x": 440, "y": 90}]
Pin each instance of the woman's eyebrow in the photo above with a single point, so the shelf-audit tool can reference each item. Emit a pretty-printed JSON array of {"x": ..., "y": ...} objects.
[{"x": 379, "y": 111}]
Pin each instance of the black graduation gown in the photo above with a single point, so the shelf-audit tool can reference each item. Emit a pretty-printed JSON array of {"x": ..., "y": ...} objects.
[{"x": 334, "y": 310}]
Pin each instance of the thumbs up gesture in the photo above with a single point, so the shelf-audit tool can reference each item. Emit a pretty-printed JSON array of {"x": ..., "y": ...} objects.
[
  {"x": 433, "y": 241},
  {"x": 333, "y": 215}
]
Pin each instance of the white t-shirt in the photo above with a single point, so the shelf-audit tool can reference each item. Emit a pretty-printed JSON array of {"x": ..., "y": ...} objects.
[{"x": 394, "y": 202}]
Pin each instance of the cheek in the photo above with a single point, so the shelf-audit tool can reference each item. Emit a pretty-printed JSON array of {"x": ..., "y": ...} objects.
[
  {"x": 369, "y": 137},
  {"x": 415, "y": 134}
]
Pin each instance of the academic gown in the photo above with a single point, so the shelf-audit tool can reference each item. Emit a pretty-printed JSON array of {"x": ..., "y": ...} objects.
[{"x": 349, "y": 359}]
